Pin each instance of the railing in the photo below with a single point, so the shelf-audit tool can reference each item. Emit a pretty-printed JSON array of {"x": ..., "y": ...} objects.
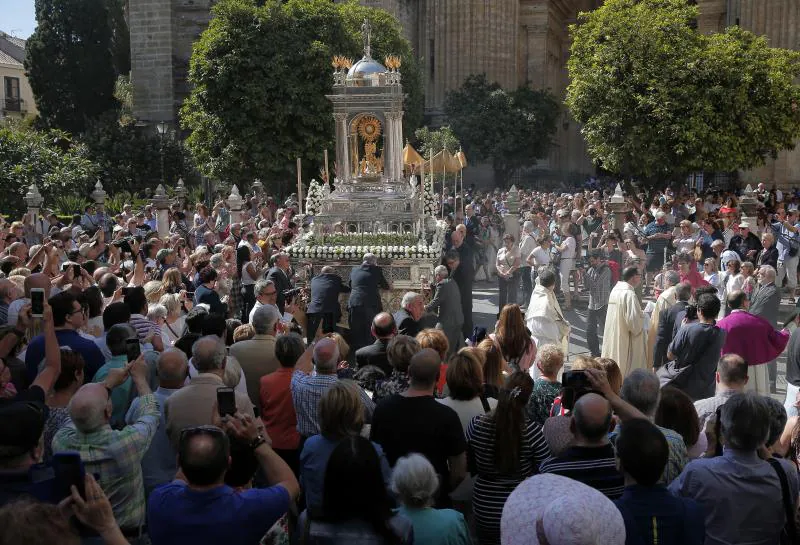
[{"x": 14, "y": 105}]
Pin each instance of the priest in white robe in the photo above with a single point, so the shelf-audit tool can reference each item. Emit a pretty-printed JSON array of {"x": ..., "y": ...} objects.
[
  {"x": 544, "y": 318},
  {"x": 624, "y": 335}
]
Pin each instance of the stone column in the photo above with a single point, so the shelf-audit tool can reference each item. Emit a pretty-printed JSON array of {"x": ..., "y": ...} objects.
[
  {"x": 236, "y": 204},
  {"x": 99, "y": 197},
  {"x": 398, "y": 143},
  {"x": 749, "y": 206},
  {"x": 34, "y": 201},
  {"x": 342, "y": 151},
  {"x": 180, "y": 193},
  {"x": 618, "y": 207},
  {"x": 161, "y": 204},
  {"x": 511, "y": 217}
]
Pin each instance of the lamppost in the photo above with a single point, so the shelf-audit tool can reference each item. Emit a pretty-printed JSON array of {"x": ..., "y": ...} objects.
[{"x": 162, "y": 127}]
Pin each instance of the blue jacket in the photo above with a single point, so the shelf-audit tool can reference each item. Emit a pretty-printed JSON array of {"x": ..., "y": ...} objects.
[
  {"x": 325, "y": 290},
  {"x": 653, "y": 515}
]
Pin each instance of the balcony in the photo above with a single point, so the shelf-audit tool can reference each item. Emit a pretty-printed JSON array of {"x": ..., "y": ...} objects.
[{"x": 14, "y": 105}]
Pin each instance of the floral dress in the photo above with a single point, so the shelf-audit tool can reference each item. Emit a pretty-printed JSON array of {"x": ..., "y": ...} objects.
[{"x": 396, "y": 384}]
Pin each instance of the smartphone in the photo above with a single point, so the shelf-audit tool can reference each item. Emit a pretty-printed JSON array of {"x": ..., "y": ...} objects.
[
  {"x": 37, "y": 302},
  {"x": 76, "y": 271},
  {"x": 132, "y": 349},
  {"x": 226, "y": 401},
  {"x": 68, "y": 469},
  {"x": 190, "y": 296},
  {"x": 576, "y": 380}
]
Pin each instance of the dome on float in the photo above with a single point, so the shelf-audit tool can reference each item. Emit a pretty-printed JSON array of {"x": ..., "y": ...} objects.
[{"x": 365, "y": 68}]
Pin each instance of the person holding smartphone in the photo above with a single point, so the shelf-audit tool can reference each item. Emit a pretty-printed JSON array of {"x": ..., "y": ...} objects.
[{"x": 114, "y": 455}]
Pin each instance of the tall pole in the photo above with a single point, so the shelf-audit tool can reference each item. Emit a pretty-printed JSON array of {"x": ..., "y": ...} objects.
[
  {"x": 163, "y": 171},
  {"x": 444, "y": 178},
  {"x": 422, "y": 195},
  {"x": 327, "y": 176},
  {"x": 299, "y": 186}
]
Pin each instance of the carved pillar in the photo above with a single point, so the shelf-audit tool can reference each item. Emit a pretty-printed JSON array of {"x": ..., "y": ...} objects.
[
  {"x": 342, "y": 157},
  {"x": 388, "y": 147},
  {"x": 398, "y": 142}
]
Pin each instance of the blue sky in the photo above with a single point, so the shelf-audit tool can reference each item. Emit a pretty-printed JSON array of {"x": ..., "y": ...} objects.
[{"x": 17, "y": 17}]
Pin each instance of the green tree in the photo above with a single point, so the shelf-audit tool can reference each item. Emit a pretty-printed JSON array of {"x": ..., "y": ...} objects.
[
  {"x": 510, "y": 129},
  {"x": 69, "y": 62},
  {"x": 659, "y": 100},
  {"x": 436, "y": 140},
  {"x": 260, "y": 75},
  {"x": 50, "y": 159}
]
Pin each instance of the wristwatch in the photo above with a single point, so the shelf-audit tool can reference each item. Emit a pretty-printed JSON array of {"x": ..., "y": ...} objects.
[{"x": 258, "y": 441}]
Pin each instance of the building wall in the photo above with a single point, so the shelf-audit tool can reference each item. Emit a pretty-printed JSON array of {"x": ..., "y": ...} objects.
[
  {"x": 25, "y": 93},
  {"x": 151, "y": 33}
]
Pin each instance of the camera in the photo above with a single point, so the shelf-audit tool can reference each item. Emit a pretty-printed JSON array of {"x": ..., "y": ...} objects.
[
  {"x": 290, "y": 293},
  {"x": 124, "y": 244}
]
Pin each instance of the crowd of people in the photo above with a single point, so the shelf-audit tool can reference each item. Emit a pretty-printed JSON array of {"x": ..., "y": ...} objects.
[{"x": 198, "y": 386}]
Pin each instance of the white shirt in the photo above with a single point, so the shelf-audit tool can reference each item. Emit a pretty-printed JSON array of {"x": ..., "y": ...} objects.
[
  {"x": 258, "y": 305},
  {"x": 569, "y": 251},
  {"x": 13, "y": 310},
  {"x": 540, "y": 256}
]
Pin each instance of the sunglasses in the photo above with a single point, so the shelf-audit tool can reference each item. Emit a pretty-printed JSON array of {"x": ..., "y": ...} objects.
[{"x": 213, "y": 431}]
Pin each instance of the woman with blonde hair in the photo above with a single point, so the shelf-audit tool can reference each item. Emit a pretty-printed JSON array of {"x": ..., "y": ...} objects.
[
  {"x": 202, "y": 224},
  {"x": 435, "y": 339},
  {"x": 172, "y": 329},
  {"x": 514, "y": 339},
  {"x": 172, "y": 282},
  {"x": 341, "y": 413},
  {"x": 494, "y": 366},
  {"x": 153, "y": 290}
]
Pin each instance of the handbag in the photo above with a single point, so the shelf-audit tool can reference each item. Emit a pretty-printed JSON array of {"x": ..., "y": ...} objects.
[{"x": 789, "y": 530}]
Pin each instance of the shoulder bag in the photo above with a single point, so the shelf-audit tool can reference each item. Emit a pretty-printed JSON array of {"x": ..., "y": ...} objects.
[{"x": 789, "y": 531}]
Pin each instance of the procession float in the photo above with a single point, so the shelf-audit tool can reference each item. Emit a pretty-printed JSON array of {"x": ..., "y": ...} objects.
[{"x": 374, "y": 207}]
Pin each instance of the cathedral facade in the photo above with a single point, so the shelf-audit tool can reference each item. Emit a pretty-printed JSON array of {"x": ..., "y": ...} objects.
[{"x": 513, "y": 42}]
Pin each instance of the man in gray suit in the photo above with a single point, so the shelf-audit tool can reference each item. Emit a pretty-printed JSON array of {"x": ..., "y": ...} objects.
[
  {"x": 766, "y": 303},
  {"x": 447, "y": 303}
]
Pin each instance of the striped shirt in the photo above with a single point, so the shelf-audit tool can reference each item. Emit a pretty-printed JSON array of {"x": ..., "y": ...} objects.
[
  {"x": 144, "y": 327},
  {"x": 593, "y": 466}
]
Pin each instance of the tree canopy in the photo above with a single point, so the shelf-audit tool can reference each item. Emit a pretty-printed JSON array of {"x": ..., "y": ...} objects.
[
  {"x": 70, "y": 60},
  {"x": 510, "y": 129},
  {"x": 437, "y": 140},
  {"x": 51, "y": 159},
  {"x": 659, "y": 100},
  {"x": 260, "y": 75}
]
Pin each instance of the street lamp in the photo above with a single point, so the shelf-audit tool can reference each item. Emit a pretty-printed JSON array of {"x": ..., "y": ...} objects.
[{"x": 162, "y": 127}]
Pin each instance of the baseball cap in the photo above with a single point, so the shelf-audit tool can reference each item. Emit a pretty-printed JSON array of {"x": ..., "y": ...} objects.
[{"x": 744, "y": 225}]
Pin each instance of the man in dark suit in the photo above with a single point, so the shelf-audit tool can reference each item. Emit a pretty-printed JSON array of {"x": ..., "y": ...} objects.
[
  {"x": 366, "y": 281},
  {"x": 408, "y": 317},
  {"x": 383, "y": 329},
  {"x": 447, "y": 303},
  {"x": 666, "y": 323},
  {"x": 766, "y": 302},
  {"x": 279, "y": 274},
  {"x": 461, "y": 262},
  {"x": 324, "y": 306}
]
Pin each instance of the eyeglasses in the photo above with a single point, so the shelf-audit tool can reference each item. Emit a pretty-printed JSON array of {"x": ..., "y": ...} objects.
[
  {"x": 77, "y": 311},
  {"x": 269, "y": 292}
]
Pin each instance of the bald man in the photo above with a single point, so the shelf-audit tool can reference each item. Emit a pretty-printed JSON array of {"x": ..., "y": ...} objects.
[
  {"x": 415, "y": 422},
  {"x": 590, "y": 459},
  {"x": 159, "y": 463},
  {"x": 114, "y": 455},
  {"x": 383, "y": 329}
]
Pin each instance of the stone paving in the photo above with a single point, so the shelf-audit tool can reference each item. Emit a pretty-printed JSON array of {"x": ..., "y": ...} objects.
[{"x": 485, "y": 311}]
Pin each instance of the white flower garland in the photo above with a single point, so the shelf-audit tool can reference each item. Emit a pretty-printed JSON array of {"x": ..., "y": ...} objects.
[
  {"x": 317, "y": 192},
  {"x": 431, "y": 202},
  {"x": 304, "y": 249}
]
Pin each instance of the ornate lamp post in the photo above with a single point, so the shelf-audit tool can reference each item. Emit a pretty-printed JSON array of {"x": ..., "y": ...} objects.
[
  {"x": 618, "y": 207},
  {"x": 34, "y": 201},
  {"x": 258, "y": 188},
  {"x": 162, "y": 128}
]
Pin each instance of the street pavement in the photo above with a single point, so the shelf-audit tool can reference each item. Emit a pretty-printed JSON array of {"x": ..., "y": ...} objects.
[{"x": 485, "y": 296}]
